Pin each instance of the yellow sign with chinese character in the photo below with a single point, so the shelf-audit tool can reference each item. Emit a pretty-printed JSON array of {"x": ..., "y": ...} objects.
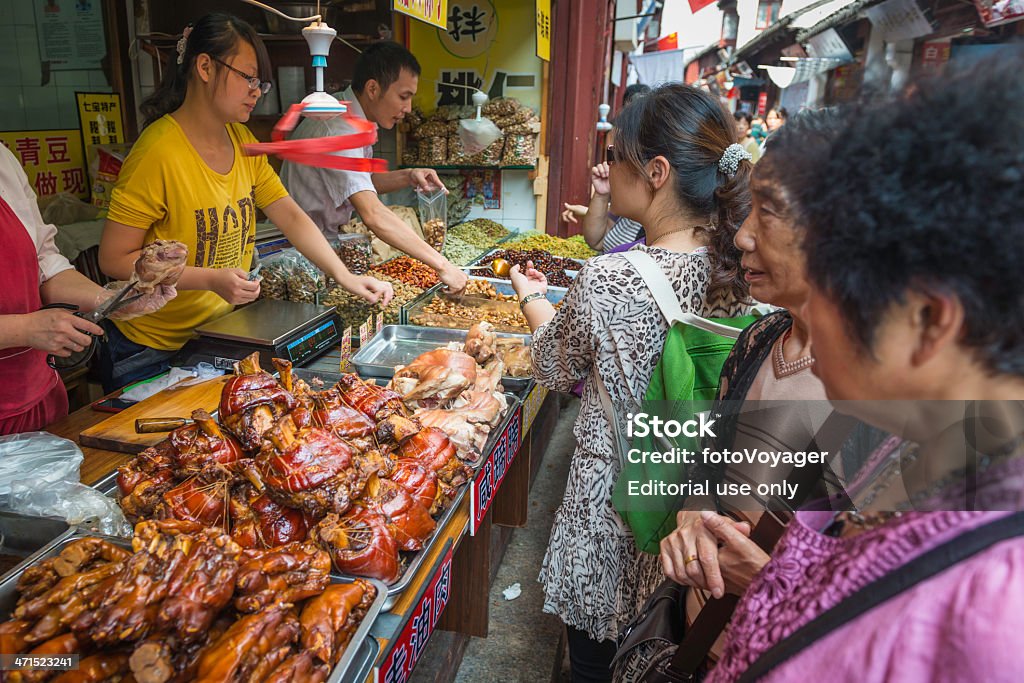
[
  {"x": 99, "y": 115},
  {"x": 544, "y": 29},
  {"x": 433, "y": 12},
  {"x": 52, "y": 159},
  {"x": 481, "y": 46}
]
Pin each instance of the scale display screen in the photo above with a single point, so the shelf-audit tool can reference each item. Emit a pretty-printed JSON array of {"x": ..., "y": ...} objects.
[{"x": 311, "y": 342}]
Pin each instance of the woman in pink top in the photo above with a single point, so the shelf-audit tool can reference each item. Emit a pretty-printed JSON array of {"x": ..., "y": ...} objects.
[{"x": 918, "y": 278}]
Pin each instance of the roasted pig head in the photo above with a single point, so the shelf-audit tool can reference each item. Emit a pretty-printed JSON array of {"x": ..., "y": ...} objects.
[
  {"x": 420, "y": 482},
  {"x": 372, "y": 401},
  {"x": 252, "y": 401},
  {"x": 309, "y": 469},
  {"x": 258, "y": 521},
  {"x": 202, "y": 443},
  {"x": 359, "y": 543},
  {"x": 432, "y": 448},
  {"x": 408, "y": 520}
]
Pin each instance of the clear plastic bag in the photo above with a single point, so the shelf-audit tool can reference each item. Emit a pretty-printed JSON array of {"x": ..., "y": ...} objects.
[
  {"x": 354, "y": 251},
  {"x": 433, "y": 208},
  {"x": 477, "y": 135},
  {"x": 39, "y": 475}
]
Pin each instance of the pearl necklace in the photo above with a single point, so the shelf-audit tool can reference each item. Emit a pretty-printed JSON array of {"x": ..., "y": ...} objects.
[{"x": 784, "y": 368}]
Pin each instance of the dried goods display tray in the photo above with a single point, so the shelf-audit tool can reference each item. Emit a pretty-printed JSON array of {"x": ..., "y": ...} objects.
[
  {"x": 353, "y": 658},
  {"x": 413, "y": 559},
  {"x": 554, "y": 295},
  {"x": 400, "y": 344}
]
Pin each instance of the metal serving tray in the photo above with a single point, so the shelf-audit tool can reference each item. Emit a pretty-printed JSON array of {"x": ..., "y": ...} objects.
[
  {"x": 351, "y": 665},
  {"x": 23, "y": 535},
  {"x": 400, "y": 344}
]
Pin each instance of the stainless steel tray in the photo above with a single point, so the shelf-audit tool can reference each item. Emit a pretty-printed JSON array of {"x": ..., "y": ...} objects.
[
  {"x": 400, "y": 344},
  {"x": 23, "y": 535},
  {"x": 350, "y": 667}
]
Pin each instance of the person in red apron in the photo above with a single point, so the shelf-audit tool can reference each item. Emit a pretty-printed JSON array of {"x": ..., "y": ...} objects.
[{"x": 34, "y": 273}]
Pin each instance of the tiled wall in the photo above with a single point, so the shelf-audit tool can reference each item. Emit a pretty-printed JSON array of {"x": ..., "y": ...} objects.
[{"x": 24, "y": 103}]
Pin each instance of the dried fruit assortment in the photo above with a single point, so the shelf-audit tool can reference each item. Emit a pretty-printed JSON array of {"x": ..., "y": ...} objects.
[
  {"x": 354, "y": 310},
  {"x": 573, "y": 247},
  {"x": 459, "y": 252},
  {"x": 288, "y": 275},
  {"x": 480, "y": 232},
  {"x": 553, "y": 267},
  {"x": 434, "y": 140},
  {"x": 355, "y": 251},
  {"x": 408, "y": 270}
]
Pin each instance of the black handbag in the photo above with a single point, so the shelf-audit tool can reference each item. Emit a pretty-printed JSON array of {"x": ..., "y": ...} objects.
[{"x": 657, "y": 647}]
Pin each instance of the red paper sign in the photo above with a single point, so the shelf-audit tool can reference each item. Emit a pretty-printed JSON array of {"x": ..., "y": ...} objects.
[
  {"x": 488, "y": 479},
  {"x": 410, "y": 643},
  {"x": 934, "y": 55},
  {"x": 762, "y": 104}
]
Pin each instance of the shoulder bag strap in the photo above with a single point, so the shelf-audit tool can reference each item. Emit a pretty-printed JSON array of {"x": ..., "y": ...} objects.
[
  {"x": 715, "y": 615},
  {"x": 919, "y": 569},
  {"x": 665, "y": 296}
]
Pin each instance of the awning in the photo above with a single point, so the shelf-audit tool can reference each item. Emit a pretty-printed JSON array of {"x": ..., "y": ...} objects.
[
  {"x": 840, "y": 17},
  {"x": 803, "y": 23}
]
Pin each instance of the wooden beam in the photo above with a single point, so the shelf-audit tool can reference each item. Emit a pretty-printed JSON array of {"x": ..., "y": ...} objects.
[
  {"x": 119, "y": 64},
  {"x": 581, "y": 29}
]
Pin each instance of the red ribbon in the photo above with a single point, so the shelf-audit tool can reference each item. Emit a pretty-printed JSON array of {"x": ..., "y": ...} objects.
[{"x": 320, "y": 151}]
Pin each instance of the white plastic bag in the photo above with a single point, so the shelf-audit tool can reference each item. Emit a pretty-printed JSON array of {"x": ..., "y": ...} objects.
[
  {"x": 477, "y": 135},
  {"x": 39, "y": 476}
]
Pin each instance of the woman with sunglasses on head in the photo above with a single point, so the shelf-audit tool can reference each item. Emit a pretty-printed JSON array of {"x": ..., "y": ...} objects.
[
  {"x": 188, "y": 179},
  {"x": 35, "y": 274},
  {"x": 677, "y": 171}
]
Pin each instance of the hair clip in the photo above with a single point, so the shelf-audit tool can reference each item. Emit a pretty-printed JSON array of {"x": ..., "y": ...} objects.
[
  {"x": 731, "y": 158},
  {"x": 183, "y": 43}
]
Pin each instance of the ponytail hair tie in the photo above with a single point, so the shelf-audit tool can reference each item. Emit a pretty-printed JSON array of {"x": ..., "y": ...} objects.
[
  {"x": 183, "y": 43},
  {"x": 731, "y": 158}
]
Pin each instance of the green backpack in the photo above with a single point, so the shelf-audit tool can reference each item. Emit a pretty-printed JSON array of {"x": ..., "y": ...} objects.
[{"x": 685, "y": 382}]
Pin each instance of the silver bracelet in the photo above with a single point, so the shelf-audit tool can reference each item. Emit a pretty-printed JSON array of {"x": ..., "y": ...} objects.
[{"x": 528, "y": 298}]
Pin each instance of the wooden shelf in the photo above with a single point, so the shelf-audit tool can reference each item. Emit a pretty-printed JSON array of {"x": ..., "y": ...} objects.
[
  {"x": 162, "y": 39},
  {"x": 472, "y": 168}
]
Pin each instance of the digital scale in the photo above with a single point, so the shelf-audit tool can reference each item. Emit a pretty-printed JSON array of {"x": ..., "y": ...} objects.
[{"x": 293, "y": 331}]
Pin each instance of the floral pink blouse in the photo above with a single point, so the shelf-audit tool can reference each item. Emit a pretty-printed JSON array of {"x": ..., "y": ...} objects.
[{"x": 964, "y": 624}]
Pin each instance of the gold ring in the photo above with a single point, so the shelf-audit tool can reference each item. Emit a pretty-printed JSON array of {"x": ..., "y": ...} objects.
[{"x": 691, "y": 558}]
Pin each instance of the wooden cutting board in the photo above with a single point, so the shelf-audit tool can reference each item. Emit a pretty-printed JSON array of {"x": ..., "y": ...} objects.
[{"x": 117, "y": 433}]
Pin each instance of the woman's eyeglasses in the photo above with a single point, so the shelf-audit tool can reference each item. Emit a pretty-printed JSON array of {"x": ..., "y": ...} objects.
[{"x": 254, "y": 81}]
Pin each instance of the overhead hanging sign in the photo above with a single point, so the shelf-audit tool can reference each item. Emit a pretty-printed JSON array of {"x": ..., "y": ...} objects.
[
  {"x": 70, "y": 33},
  {"x": 434, "y": 12},
  {"x": 899, "y": 20},
  {"x": 996, "y": 12},
  {"x": 52, "y": 159},
  {"x": 544, "y": 29}
]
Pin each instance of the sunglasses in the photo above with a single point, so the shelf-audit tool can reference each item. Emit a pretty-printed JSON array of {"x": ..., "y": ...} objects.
[{"x": 254, "y": 81}]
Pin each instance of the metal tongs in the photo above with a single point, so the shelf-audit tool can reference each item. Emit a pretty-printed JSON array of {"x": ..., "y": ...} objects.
[{"x": 98, "y": 314}]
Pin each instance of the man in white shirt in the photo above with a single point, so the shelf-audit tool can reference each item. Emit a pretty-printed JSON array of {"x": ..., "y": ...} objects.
[{"x": 385, "y": 80}]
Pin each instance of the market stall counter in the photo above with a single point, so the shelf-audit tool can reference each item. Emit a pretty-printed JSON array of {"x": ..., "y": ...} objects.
[{"x": 450, "y": 585}]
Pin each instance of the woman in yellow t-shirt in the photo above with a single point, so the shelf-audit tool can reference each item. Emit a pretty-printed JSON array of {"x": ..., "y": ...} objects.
[{"x": 188, "y": 179}]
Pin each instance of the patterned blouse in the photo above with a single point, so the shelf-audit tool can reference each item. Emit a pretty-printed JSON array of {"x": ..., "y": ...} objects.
[{"x": 594, "y": 577}]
